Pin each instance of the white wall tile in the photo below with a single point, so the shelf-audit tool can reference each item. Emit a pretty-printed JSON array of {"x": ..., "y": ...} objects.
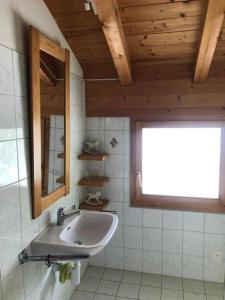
[
  {"x": 20, "y": 74},
  {"x": 152, "y": 218},
  {"x": 117, "y": 239},
  {"x": 59, "y": 122},
  {"x": 22, "y": 120},
  {"x": 113, "y": 123},
  {"x": 193, "y": 267},
  {"x": 133, "y": 260},
  {"x": 23, "y": 158},
  {"x": 172, "y": 264},
  {"x": 215, "y": 223},
  {"x": 213, "y": 242},
  {"x": 193, "y": 221},
  {"x": 8, "y": 166},
  {"x": 114, "y": 166},
  {"x": 114, "y": 257},
  {"x": 30, "y": 227},
  {"x": 117, "y": 148},
  {"x": 214, "y": 269},
  {"x": 95, "y": 124},
  {"x": 118, "y": 207},
  {"x": 12, "y": 286},
  {"x": 132, "y": 216},
  {"x": 126, "y": 192},
  {"x": 193, "y": 243},
  {"x": 114, "y": 190},
  {"x": 98, "y": 259},
  {"x": 172, "y": 241},
  {"x": 172, "y": 219},
  {"x": 126, "y": 137},
  {"x": 133, "y": 237},
  {"x": 8, "y": 118},
  {"x": 126, "y": 123},
  {"x": 152, "y": 262},
  {"x": 6, "y": 71},
  {"x": 95, "y": 168},
  {"x": 126, "y": 165},
  {"x": 152, "y": 239}
]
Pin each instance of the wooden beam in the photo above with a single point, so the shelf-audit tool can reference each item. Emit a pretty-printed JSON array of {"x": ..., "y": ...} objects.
[
  {"x": 213, "y": 23},
  {"x": 46, "y": 75},
  {"x": 113, "y": 29}
]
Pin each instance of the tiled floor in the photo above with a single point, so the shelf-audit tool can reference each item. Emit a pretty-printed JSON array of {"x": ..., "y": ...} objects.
[{"x": 111, "y": 284}]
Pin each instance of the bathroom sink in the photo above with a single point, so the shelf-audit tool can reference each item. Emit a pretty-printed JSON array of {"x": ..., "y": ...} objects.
[{"x": 85, "y": 234}]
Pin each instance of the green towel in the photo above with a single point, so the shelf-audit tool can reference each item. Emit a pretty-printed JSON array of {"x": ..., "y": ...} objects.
[{"x": 65, "y": 272}]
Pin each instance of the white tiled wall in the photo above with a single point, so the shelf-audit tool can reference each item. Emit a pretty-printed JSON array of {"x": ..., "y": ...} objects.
[
  {"x": 157, "y": 241},
  {"x": 17, "y": 229}
]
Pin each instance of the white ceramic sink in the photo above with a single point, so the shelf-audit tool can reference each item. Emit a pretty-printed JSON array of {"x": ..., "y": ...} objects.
[{"x": 84, "y": 234}]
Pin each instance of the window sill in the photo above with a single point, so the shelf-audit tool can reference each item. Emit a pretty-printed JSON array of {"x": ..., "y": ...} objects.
[{"x": 179, "y": 203}]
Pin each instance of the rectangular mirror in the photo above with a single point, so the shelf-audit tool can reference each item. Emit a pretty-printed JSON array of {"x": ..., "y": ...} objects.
[{"x": 50, "y": 85}]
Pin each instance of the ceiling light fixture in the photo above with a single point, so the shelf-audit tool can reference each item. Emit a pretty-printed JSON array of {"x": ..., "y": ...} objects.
[{"x": 88, "y": 4}]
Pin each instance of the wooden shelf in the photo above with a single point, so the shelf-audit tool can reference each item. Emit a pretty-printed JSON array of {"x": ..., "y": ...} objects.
[
  {"x": 60, "y": 155},
  {"x": 99, "y": 207},
  {"x": 60, "y": 180},
  {"x": 99, "y": 156},
  {"x": 98, "y": 181}
]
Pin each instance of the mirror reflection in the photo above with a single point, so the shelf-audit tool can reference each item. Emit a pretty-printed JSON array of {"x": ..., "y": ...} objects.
[{"x": 52, "y": 82}]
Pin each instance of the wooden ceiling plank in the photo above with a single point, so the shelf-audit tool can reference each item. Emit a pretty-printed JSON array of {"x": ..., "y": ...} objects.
[
  {"x": 212, "y": 26},
  {"x": 162, "y": 11},
  {"x": 129, "y": 3},
  {"x": 163, "y": 26},
  {"x": 113, "y": 29}
]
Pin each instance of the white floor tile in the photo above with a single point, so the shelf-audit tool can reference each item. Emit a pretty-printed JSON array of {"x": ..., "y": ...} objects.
[
  {"x": 128, "y": 290},
  {"x": 195, "y": 286},
  {"x": 172, "y": 295},
  {"x": 172, "y": 283},
  {"x": 103, "y": 297},
  {"x": 131, "y": 277},
  {"x": 149, "y": 293},
  {"x": 151, "y": 280},
  {"x": 192, "y": 296},
  {"x": 88, "y": 284},
  {"x": 214, "y": 288},
  {"x": 94, "y": 272},
  {"x": 112, "y": 274},
  {"x": 108, "y": 287},
  {"x": 82, "y": 296}
]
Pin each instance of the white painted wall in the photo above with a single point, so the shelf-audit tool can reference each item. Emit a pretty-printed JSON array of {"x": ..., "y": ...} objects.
[{"x": 15, "y": 18}]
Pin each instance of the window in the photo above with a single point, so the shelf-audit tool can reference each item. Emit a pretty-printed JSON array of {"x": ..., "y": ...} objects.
[{"x": 178, "y": 165}]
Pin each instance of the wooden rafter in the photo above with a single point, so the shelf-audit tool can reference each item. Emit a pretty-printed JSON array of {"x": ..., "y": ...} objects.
[
  {"x": 113, "y": 29},
  {"x": 46, "y": 74},
  {"x": 213, "y": 23}
]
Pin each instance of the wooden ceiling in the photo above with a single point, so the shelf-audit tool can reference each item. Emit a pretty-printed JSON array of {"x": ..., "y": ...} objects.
[{"x": 163, "y": 37}]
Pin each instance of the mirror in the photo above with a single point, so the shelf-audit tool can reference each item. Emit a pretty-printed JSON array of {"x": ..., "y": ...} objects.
[{"x": 50, "y": 121}]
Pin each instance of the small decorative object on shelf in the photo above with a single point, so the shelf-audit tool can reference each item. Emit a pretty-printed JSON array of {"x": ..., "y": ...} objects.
[
  {"x": 93, "y": 199},
  {"x": 99, "y": 207},
  {"x": 92, "y": 148}
]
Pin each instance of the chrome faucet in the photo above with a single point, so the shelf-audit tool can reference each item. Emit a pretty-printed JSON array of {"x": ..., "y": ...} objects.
[{"x": 61, "y": 215}]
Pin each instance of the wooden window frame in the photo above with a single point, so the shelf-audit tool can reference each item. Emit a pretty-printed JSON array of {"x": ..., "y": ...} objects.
[{"x": 172, "y": 202}]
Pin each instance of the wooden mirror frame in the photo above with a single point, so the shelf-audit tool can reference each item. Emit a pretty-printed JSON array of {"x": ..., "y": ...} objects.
[{"x": 39, "y": 42}]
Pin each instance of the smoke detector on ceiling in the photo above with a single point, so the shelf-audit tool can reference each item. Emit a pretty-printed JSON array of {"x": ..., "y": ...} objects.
[{"x": 88, "y": 4}]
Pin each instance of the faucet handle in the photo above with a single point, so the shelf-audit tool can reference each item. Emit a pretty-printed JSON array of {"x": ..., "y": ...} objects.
[{"x": 61, "y": 211}]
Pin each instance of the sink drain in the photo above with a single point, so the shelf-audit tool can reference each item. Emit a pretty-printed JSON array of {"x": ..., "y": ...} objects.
[{"x": 77, "y": 242}]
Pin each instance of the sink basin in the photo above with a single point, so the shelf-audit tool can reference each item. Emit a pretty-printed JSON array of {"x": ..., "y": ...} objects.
[{"x": 84, "y": 234}]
